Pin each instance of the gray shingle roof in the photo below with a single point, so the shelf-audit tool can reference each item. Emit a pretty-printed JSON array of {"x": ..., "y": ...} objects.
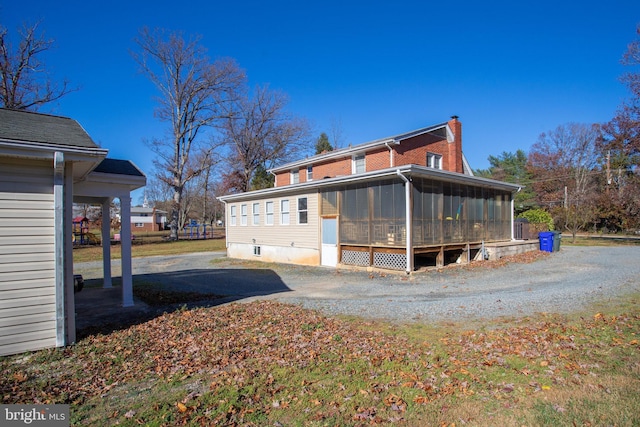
[
  {"x": 119, "y": 167},
  {"x": 26, "y": 126}
]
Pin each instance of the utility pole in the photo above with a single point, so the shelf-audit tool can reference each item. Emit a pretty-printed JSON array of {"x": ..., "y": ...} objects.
[{"x": 608, "y": 169}]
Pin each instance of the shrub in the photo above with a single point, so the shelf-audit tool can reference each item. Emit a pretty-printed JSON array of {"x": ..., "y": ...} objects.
[{"x": 538, "y": 216}]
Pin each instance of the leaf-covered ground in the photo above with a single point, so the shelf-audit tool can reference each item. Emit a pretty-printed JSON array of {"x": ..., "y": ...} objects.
[{"x": 267, "y": 363}]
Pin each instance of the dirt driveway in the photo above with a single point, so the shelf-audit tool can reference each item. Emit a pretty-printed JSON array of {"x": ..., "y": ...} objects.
[{"x": 563, "y": 281}]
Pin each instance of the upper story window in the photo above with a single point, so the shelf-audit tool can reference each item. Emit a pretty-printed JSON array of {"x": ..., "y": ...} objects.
[
  {"x": 268, "y": 209},
  {"x": 234, "y": 214},
  {"x": 434, "y": 161},
  {"x": 359, "y": 165},
  {"x": 309, "y": 173},
  {"x": 302, "y": 210},
  {"x": 284, "y": 212},
  {"x": 295, "y": 176}
]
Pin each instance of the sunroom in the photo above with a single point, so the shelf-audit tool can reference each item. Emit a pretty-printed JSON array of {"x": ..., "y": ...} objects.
[{"x": 415, "y": 216}]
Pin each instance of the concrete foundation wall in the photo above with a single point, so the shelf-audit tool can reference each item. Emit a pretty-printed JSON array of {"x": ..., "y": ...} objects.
[
  {"x": 281, "y": 254},
  {"x": 498, "y": 250}
]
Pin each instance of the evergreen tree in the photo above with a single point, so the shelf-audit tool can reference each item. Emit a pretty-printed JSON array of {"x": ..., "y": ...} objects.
[
  {"x": 323, "y": 144},
  {"x": 512, "y": 167},
  {"x": 261, "y": 178}
]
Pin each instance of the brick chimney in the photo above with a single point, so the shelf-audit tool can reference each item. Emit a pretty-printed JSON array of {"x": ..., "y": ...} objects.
[{"x": 455, "y": 147}]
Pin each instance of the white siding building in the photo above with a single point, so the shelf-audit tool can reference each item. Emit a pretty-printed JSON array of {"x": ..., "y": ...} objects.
[{"x": 47, "y": 163}]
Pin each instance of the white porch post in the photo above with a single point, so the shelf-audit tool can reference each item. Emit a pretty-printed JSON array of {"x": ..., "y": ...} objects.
[
  {"x": 106, "y": 243},
  {"x": 70, "y": 299},
  {"x": 125, "y": 246}
]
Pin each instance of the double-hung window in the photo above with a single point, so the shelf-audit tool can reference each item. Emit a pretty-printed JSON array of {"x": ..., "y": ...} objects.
[
  {"x": 234, "y": 214},
  {"x": 303, "y": 217},
  {"x": 295, "y": 176},
  {"x": 268, "y": 211},
  {"x": 256, "y": 213},
  {"x": 434, "y": 161},
  {"x": 243, "y": 214},
  {"x": 284, "y": 212},
  {"x": 309, "y": 173},
  {"x": 359, "y": 165}
]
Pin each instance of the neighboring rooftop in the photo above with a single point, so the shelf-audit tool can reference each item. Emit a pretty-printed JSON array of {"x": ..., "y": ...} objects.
[{"x": 26, "y": 126}]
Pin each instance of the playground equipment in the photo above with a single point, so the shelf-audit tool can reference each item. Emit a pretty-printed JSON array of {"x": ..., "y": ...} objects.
[
  {"x": 192, "y": 230},
  {"x": 81, "y": 234}
]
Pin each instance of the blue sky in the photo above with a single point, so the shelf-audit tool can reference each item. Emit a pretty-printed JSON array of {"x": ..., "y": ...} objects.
[{"x": 509, "y": 70}]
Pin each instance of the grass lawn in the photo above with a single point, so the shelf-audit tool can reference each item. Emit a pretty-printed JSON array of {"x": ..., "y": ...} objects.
[
  {"x": 94, "y": 253},
  {"x": 269, "y": 364}
]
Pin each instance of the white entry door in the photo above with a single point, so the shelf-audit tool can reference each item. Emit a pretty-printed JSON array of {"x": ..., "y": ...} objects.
[{"x": 329, "y": 256}]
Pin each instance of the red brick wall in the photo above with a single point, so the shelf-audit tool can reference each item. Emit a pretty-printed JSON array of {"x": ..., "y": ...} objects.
[
  {"x": 337, "y": 167},
  {"x": 414, "y": 151},
  {"x": 145, "y": 227},
  {"x": 454, "y": 162},
  {"x": 282, "y": 179},
  {"x": 410, "y": 151},
  {"x": 379, "y": 159}
]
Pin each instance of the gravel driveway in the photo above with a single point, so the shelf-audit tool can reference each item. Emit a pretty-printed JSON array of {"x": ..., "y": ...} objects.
[{"x": 564, "y": 281}]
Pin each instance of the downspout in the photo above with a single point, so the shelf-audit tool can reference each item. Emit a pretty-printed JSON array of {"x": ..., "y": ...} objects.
[
  {"x": 275, "y": 184},
  {"x": 408, "y": 220},
  {"x": 226, "y": 233},
  {"x": 391, "y": 162},
  {"x": 513, "y": 200}
]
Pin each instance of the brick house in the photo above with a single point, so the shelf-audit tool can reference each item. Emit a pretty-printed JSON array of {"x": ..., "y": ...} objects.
[
  {"x": 144, "y": 218},
  {"x": 391, "y": 203}
]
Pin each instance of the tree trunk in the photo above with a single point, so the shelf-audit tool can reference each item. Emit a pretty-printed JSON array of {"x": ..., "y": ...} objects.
[{"x": 175, "y": 214}]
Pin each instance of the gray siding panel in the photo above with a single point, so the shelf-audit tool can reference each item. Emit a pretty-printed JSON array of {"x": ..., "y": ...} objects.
[
  {"x": 17, "y": 321},
  {"x": 27, "y": 259}
]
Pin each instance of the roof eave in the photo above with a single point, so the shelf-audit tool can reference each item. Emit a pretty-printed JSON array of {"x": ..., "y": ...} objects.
[
  {"x": 344, "y": 152},
  {"x": 408, "y": 170}
]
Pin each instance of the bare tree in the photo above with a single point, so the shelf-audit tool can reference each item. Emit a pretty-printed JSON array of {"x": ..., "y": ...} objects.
[
  {"x": 621, "y": 144},
  {"x": 25, "y": 83},
  {"x": 564, "y": 162},
  {"x": 260, "y": 132},
  {"x": 336, "y": 133},
  {"x": 193, "y": 93}
]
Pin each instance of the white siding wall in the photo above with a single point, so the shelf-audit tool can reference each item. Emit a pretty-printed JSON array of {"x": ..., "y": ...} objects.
[
  {"x": 27, "y": 270},
  {"x": 293, "y": 243}
]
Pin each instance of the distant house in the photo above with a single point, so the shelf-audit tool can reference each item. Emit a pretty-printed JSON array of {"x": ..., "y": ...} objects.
[
  {"x": 144, "y": 218},
  {"x": 390, "y": 203},
  {"x": 47, "y": 163}
]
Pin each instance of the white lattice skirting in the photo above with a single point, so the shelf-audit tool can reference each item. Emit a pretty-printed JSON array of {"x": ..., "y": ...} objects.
[
  {"x": 355, "y": 258},
  {"x": 390, "y": 261}
]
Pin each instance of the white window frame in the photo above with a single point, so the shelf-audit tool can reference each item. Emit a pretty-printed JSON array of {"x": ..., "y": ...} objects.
[
  {"x": 354, "y": 163},
  {"x": 268, "y": 215},
  {"x": 285, "y": 212},
  {"x": 243, "y": 214},
  {"x": 295, "y": 176},
  {"x": 255, "y": 210},
  {"x": 434, "y": 161},
  {"x": 306, "y": 210},
  {"x": 310, "y": 173},
  {"x": 233, "y": 213}
]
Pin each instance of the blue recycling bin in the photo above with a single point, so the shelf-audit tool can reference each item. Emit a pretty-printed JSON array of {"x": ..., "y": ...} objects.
[{"x": 546, "y": 241}]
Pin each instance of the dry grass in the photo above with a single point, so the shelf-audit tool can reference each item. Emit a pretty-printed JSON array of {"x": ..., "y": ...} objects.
[{"x": 94, "y": 253}]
